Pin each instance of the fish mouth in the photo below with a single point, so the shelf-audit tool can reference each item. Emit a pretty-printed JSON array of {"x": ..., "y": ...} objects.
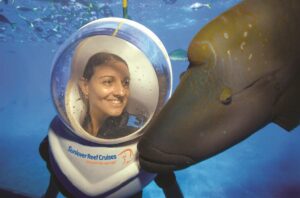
[
  {"x": 162, "y": 162},
  {"x": 155, "y": 167}
]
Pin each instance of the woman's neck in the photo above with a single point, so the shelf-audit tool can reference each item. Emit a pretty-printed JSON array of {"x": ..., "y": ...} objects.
[{"x": 95, "y": 122}]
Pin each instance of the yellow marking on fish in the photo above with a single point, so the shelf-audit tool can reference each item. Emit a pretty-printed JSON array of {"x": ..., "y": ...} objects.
[
  {"x": 226, "y": 35},
  {"x": 224, "y": 19},
  {"x": 250, "y": 56},
  {"x": 118, "y": 28},
  {"x": 226, "y": 95},
  {"x": 243, "y": 45},
  {"x": 229, "y": 56},
  {"x": 206, "y": 43},
  {"x": 245, "y": 34}
]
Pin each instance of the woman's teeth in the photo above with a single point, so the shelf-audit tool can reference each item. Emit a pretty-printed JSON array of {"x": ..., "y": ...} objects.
[{"x": 116, "y": 101}]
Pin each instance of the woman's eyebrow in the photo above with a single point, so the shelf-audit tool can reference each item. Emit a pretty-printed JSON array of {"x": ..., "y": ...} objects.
[
  {"x": 99, "y": 77},
  {"x": 108, "y": 76}
]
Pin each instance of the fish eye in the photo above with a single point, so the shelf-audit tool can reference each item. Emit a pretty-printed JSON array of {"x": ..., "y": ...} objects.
[{"x": 226, "y": 96}]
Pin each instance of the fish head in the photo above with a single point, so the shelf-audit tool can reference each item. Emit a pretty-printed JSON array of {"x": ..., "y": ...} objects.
[{"x": 226, "y": 94}]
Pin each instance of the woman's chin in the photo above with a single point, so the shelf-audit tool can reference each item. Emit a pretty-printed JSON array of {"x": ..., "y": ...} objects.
[{"x": 116, "y": 112}]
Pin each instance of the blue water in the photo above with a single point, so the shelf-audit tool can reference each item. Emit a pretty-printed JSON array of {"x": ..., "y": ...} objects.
[{"x": 265, "y": 165}]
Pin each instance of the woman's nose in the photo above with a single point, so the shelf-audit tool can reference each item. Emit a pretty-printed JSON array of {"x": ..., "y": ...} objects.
[{"x": 120, "y": 89}]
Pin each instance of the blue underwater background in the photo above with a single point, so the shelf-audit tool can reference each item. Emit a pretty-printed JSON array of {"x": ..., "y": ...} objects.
[{"x": 265, "y": 165}]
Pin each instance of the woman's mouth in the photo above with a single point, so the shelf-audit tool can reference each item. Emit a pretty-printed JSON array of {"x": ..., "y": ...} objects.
[{"x": 116, "y": 101}]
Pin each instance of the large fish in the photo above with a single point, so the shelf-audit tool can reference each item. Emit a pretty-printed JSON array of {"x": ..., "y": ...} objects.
[{"x": 243, "y": 74}]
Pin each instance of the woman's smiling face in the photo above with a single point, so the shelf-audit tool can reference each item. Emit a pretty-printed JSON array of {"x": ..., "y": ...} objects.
[{"x": 108, "y": 89}]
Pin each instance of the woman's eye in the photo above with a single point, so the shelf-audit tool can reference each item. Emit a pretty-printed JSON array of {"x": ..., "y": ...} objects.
[
  {"x": 126, "y": 83},
  {"x": 107, "y": 82}
]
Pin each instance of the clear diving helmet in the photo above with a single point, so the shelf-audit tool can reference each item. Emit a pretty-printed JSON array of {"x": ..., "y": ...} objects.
[{"x": 90, "y": 166}]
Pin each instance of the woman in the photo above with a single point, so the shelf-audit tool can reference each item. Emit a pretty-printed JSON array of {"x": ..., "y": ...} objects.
[{"x": 105, "y": 87}]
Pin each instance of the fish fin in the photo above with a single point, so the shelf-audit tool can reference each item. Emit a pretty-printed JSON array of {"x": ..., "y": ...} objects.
[
  {"x": 287, "y": 123},
  {"x": 287, "y": 109},
  {"x": 286, "y": 112}
]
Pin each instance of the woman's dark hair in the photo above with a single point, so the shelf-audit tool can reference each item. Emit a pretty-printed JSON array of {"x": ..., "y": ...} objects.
[{"x": 99, "y": 59}]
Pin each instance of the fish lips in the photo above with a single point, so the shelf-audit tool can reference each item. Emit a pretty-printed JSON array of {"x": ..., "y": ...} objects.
[{"x": 163, "y": 161}]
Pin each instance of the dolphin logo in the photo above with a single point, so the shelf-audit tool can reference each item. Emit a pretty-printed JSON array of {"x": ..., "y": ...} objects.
[
  {"x": 243, "y": 74},
  {"x": 127, "y": 156}
]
